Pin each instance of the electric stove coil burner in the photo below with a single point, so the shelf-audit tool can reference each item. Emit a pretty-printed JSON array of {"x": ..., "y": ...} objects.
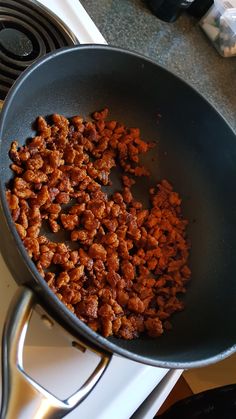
[{"x": 27, "y": 32}]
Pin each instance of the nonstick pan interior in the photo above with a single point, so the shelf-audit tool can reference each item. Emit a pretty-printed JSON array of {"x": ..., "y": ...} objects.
[{"x": 196, "y": 151}]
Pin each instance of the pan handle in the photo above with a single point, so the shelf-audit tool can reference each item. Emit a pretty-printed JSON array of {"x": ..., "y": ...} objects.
[{"x": 22, "y": 397}]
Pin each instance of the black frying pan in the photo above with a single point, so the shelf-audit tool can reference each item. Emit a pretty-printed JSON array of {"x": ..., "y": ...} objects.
[{"x": 196, "y": 151}]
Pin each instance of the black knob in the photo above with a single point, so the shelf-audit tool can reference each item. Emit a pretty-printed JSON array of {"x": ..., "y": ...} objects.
[
  {"x": 200, "y": 7},
  {"x": 168, "y": 10}
]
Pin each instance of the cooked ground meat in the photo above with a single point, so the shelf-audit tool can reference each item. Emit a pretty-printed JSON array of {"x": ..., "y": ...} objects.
[{"x": 128, "y": 264}]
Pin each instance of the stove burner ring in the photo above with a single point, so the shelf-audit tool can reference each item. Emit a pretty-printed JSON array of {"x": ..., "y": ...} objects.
[
  {"x": 27, "y": 32},
  {"x": 15, "y": 42},
  {"x": 20, "y": 44}
]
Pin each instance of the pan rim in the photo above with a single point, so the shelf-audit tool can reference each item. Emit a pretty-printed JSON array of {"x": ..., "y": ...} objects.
[{"x": 50, "y": 300}]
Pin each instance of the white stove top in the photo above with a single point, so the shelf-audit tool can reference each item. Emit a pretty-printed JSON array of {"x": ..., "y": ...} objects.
[
  {"x": 77, "y": 19},
  {"x": 125, "y": 384}
]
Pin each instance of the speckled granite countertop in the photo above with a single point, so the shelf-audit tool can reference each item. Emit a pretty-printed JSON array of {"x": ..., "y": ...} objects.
[{"x": 181, "y": 47}]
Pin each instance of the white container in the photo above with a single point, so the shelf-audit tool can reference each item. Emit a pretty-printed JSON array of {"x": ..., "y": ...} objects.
[{"x": 219, "y": 24}]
